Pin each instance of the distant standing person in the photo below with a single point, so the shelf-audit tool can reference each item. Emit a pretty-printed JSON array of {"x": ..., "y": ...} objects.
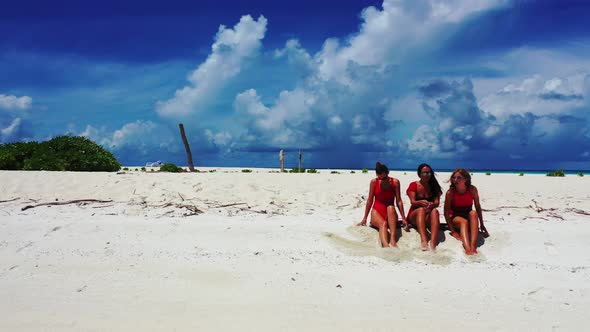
[
  {"x": 459, "y": 213},
  {"x": 384, "y": 192},
  {"x": 424, "y": 199}
]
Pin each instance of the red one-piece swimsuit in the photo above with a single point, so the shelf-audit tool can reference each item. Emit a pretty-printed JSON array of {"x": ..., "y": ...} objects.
[
  {"x": 383, "y": 198},
  {"x": 461, "y": 204}
]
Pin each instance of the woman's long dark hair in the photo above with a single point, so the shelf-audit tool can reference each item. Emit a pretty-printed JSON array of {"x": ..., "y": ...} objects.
[
  {"x": 435, "y": 189},
  {"x": 381, "y": 168}
]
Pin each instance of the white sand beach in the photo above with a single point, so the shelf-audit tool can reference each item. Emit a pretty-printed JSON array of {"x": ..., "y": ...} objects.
[{"x": 233, "y": 251}]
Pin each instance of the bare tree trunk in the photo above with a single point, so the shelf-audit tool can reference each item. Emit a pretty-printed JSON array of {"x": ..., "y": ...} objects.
[
  {"x": 189, "y": 155},
  {"x": 300, "y": 157},
  {"x": 282, "y": 159}
]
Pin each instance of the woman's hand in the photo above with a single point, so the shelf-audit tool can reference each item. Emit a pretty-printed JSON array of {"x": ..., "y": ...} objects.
[
  {"x": 363, "y": 222},
  {"x": 405, "y": 225},
  {"x": 484, "y": 231}
]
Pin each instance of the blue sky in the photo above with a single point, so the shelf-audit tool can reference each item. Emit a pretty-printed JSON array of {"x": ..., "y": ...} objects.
[{"x": 486, "y": 84}]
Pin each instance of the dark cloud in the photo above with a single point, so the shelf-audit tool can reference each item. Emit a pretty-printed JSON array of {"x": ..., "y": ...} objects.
[
  {"x": 475, "y": 136},
  {"x": 518, "y": 127},
  {"x": 560, "y": 96},
  {"x": 435, "y": 89}
]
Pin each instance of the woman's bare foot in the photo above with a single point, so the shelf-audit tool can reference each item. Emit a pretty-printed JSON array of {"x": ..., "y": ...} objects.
[
  {"x": 424, "y": 246},
  {"x": 432, "y": 247},
  {"x": 393, "y": 245}
]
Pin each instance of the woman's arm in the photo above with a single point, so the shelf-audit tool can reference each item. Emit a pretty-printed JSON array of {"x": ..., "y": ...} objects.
[
  {"x": 447, "y": 211},
  {"x": 475, "y": 196},
  {"x": 400, "y": 204},
  {"x": 433, "y": 205},
  {"x": 369, "y": 204},
  {"x": 411, "y": 192}
]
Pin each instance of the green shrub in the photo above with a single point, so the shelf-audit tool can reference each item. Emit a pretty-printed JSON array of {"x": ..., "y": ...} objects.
[
  {"x": 488, "y": 173},
  {"x": 312, "y": 170},
  {"x": 558, "y": 172},
  {"x": 334, "y": 172},
  {"x": 13, "y": 155},
  {"x": 125, "y": 168},
  {"x": 143, "y": 169},
  {"x": 170, "y": 167},
  {"x": 580, "y": 174},
  {"x": 521, "y": 174},
  {"x": 212, "y": 170},
  {"x": 246, "y": 171},
  {"x": 365, "y": 170},
  {"x": 296, "y": 170},
  {"x": 62, "y": 153},
  {"x": 352, "y": 172}
]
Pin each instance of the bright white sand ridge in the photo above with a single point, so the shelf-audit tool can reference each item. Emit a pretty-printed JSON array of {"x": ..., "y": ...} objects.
[{"x": 272, "y": 252}]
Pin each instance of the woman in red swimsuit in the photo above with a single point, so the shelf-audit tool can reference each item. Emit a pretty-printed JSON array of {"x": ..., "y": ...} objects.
[
  {"x": 424, "y": 199},
  {"x": 459, "y": 212},
  {"x": 384, "y": 192}
]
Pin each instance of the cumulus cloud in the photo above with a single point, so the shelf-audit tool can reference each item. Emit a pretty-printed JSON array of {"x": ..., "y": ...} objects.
[
  {"x": 12, "y": 132},
  {"x": 381, "y": 89},
  {"x": 10, "y": 102},
  {"x": 345, "y": 94},
  {"x": 462, "y": 125},
  {"x": 137, "y": 141},
  {"x": 537, "y": 95},
  {"x": 400, "y": 30},
  {"x": 141, "y": 135},
  {"x": 463, "y": 129},
  {"x": 229, "y": 54},
  {"x": 14, "y": 123}
]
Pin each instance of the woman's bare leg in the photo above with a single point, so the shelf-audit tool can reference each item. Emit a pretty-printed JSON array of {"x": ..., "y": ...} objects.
[
  {"x": 462, "y": 223},
  {"x": 434, "y": 227},
  {"x": 421, "y": 225},
  {"x": 381, "y": 224},
  {"x": 392, "y": 223},
  {"x": 473, "y": 230}
]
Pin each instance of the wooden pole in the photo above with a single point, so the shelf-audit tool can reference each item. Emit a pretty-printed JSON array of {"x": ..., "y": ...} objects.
[
  {"x": 189, "y": 155},
  {"x": 282, "y": 160},
  {"x": 300, "y": 157}
]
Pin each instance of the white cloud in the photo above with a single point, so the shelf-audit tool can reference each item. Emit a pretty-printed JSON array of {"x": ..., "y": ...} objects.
[
  {"x": 537, "y": 95},
  {"x": 232, "y": 48},
  {"x": 285, "y": 122},
  {"x": 139, "y": 135},
  {"x": 295, "y": 54},
  {"x": 10, "y": 133},
  {"x": 221, "y": 138},
  {"x": 388, "y": 36},
  {"x": 10, "y": 102}
]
